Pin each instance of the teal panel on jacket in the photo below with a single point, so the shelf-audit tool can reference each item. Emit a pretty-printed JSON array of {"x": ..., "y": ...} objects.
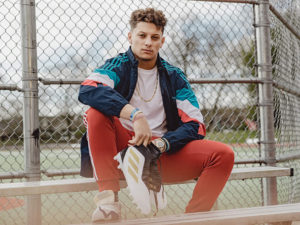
[
  {"x": 187, "y": 94},
  {"x": 112, "y": 75}
]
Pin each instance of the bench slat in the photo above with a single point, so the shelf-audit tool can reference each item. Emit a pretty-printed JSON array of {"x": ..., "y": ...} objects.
[
  {"x": 89, "y": 184},
  {"x": 243, "y": 216},
  {"x": 257, "y": 172}
]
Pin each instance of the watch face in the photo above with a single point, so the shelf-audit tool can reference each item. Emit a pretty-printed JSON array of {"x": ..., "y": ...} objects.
[{"x": 159, "y": 144}]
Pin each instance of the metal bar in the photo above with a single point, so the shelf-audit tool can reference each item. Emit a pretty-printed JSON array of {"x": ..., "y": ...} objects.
[
  {"x": 198, "y": 81},
  {"x": 89, "y": 184},
  {"x": 286, "y": 89},
  {"x": 249, "y": 161},
  {"x": 259, "y": 172},
  {"x": 60, "y": 81},
  {"x": 48, "y": 173},
  {"x": 31, "y": 113},
  {"x": 227, "y": 81},
  {"x": 68, "y": 172},
  {"x": 10, "y": 87},
  {"x": 288, "y": 157},
  {"x": 12, "y": 175},
  {"x": 246, "y": 81},
  {"x": 264, "y": 60},
  {"x": 276, "y": 214},
  {"x": 287, "y": 25},
  {"x": 228, "y": 1},
  {"x": 64, "y": 172}
]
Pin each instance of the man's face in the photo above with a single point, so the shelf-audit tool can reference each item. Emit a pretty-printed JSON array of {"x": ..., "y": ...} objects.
[{"x": 146, "y": 40}]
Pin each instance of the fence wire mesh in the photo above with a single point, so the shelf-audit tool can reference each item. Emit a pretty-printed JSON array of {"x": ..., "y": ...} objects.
[
  {"x": 286, "y": 69},
  {"x": 207, "y": 40}
]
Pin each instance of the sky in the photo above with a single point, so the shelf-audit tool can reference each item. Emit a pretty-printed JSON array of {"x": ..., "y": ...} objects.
[
  {"x": 91, "y": 31},
  {"x": 66, "y": 27}
]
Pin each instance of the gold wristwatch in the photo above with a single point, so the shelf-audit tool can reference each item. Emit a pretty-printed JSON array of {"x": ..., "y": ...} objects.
[{"x": 160, "y": 144}]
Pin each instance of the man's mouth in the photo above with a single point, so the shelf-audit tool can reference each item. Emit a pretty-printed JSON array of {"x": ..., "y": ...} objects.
[{"x": 147, "y": 50}]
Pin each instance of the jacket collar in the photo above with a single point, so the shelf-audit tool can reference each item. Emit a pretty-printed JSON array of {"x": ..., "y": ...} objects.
[{"x": 131, "y": 56}]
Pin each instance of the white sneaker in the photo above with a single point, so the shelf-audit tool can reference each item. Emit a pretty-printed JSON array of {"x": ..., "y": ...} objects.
[
  {"x": 131, "y": 162},
  {"x": 107, "y": 208}
]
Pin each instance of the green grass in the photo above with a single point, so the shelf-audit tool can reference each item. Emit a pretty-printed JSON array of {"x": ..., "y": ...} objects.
[{"x": 231, "y": 136}]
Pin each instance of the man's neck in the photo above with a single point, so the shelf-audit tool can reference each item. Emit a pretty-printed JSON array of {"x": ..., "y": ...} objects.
[{"x": 146, "y": 64}]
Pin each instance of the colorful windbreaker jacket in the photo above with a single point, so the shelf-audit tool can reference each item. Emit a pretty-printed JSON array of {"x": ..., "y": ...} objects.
[{"x": 110, "y": 87}]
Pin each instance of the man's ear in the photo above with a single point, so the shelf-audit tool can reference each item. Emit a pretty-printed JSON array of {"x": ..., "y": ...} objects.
[{"x": 129, "y": 37}]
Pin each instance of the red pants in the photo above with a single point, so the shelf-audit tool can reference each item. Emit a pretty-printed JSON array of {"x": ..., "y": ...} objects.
[{"x": 209, "y": 161}]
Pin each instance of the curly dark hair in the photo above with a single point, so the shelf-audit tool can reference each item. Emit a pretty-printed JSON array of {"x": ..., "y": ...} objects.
[{"x": 149, "y": 15}]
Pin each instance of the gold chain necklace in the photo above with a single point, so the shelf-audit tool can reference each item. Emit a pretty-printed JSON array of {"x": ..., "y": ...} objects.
[{"x": 155, "y": 89}]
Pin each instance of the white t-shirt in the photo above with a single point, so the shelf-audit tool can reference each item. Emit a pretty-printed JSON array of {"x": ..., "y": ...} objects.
[{"x": 154, "y": 109}]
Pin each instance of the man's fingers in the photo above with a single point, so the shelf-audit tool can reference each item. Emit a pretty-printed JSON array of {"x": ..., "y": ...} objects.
[
  {"x": 140, "y": 139},
  {"x": 145, "y": 143},
  {"x": 144, "y": 139},
  {"x": 137, "y": 140},
  {"x": 131, "y": 142},
  {"x": 148, "y": 140},
  {"x": 142, "y": 131}
]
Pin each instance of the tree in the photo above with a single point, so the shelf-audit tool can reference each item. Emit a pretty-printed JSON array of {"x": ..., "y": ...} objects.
[
  {"x": 60, "y": 101},
  {"x": 200, "y": 51},
  {"x": 184, "y": 50}
]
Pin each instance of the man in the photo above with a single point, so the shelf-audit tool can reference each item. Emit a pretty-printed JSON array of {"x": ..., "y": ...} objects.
[{"x": 137, "y": 98}]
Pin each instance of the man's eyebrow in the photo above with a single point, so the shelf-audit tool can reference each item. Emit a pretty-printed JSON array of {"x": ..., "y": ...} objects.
[{"x": 143, "y": 32}]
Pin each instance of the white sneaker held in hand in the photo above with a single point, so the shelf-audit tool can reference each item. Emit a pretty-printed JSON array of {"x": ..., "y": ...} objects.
[{"x": 131, "y": 162}]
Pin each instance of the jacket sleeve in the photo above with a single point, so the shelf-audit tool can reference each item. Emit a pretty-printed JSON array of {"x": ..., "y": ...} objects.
[
  {"x": 98, "y": 92},
  {"x": 191, "y": 125}
]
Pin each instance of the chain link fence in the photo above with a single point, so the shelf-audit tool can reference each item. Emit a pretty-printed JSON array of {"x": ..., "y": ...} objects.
[
  {"x": 285, "y": 70},
  {"x": 213, "y": 42}
]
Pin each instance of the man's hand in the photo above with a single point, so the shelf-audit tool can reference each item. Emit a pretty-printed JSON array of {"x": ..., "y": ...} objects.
[
  {"x": 143, "y": 134},
  {"x": 141, "y": 127}
]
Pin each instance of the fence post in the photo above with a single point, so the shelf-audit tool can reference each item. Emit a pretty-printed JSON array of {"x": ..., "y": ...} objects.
[
  {"x": 30, "y": 112},
  {"x": 264, "y": 60}
]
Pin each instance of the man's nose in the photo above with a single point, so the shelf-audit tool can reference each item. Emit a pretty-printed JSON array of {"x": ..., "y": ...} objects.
[{"x": 148, "y": 41}]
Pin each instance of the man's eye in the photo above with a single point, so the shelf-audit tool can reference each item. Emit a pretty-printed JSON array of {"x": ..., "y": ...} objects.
[
  {"x": 142, "y": 35},
  {"x": 155, "y": 38}
]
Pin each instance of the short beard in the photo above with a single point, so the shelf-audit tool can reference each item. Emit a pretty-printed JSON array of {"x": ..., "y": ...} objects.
[{"x": 145, "y": 60}]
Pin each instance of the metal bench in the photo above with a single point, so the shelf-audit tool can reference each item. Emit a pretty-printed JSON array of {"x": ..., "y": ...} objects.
[
  {"x": 244, "y": 216},
  {"x": 255, "y": 215},
  {"x": 89, "y": 184}
]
